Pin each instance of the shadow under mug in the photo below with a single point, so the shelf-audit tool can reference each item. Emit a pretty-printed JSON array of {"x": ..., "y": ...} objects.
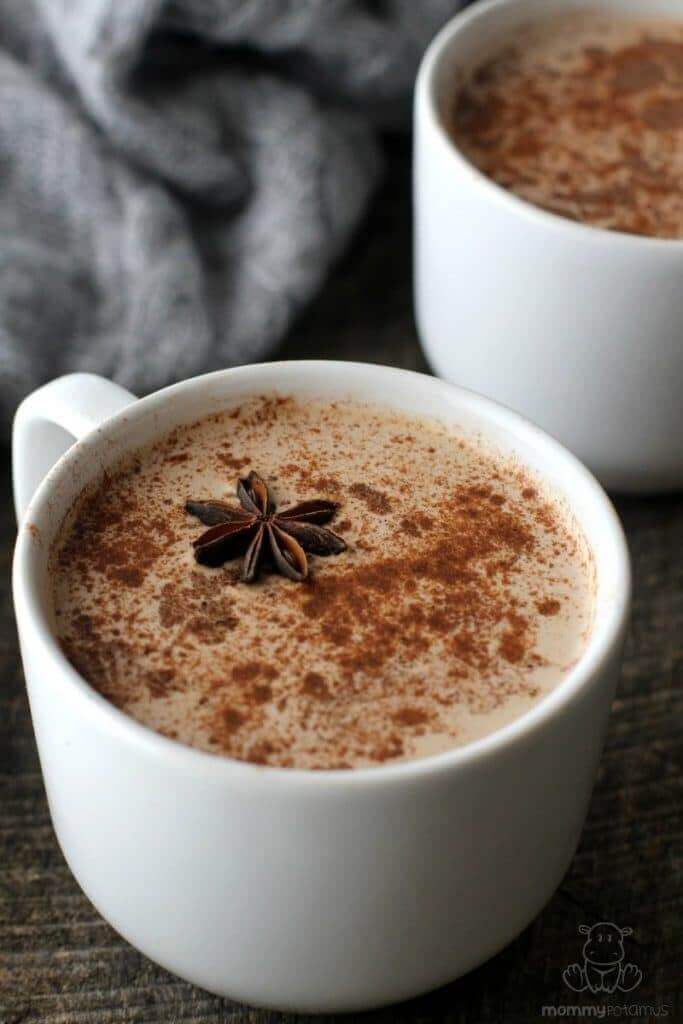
[
  {"x": 302, "y": 890},
  {"x": 576, "y": 327}
]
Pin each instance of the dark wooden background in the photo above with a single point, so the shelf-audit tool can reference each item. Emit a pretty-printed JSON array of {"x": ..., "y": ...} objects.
[{"x": 61, "y": 963}]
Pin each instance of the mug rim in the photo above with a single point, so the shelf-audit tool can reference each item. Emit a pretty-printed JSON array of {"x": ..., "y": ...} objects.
[
  {"x": 603, "y": 640},
  {"x": 426, "y": 97}
]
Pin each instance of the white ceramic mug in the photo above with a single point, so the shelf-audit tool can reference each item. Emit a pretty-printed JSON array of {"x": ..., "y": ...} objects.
[
  {"x": 578, "y": 328},
  {"x": 311, "y": 891}
]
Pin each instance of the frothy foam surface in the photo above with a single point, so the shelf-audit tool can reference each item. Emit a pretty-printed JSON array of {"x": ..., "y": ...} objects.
[
  {"x": 582, "y": 114},
  {"x": 465, "y": 594}
]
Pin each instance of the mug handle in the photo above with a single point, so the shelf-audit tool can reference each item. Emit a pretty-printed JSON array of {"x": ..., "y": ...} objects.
[{"x": 48, "y": 422}]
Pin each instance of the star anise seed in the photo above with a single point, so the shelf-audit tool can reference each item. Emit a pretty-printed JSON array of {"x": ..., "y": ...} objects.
[{"x": 256, "y": 530}]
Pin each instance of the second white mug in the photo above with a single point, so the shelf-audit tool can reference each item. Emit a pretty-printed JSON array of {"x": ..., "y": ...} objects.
[{"x": 578, "y": 328}]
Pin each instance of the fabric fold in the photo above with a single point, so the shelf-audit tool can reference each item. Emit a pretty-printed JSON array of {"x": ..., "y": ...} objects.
[{"x": 177, "y": 176}]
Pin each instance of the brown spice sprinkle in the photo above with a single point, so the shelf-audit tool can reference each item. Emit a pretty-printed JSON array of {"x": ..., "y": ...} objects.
[
  {"x": 376, "y": 501},
  {"x": 582, "y": 114},
  {"x": 315, "y": 686},
  {"x": 463, "y": 595}
]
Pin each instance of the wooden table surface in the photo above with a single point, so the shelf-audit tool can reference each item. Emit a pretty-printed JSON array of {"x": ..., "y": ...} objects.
[{"x": 60, "y": 962}]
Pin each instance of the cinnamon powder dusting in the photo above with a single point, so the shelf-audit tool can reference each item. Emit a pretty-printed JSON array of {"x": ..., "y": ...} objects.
[
  {"x": 582, "y": 114},
  {"x": 463, "y": 596}
]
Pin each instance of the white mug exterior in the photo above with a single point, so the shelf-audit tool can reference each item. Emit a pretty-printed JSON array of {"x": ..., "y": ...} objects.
[
  {"x": 308, "y": 891},
  {"x": 578, "y": 328}
]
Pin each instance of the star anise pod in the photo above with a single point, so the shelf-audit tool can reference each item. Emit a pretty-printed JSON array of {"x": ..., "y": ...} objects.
[{"x": 255, "y": 530}]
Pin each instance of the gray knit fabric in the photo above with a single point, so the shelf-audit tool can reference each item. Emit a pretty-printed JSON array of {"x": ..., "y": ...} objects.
[{"x": 176, "y": 176}]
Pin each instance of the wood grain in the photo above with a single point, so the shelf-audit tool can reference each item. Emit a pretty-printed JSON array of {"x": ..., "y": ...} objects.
[{"x": 60, "y": 963}]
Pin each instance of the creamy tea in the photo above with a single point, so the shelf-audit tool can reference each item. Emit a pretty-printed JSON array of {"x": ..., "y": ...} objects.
[
  {"x": 321, "y": 585},
  {"x": 582, "y": 114}
]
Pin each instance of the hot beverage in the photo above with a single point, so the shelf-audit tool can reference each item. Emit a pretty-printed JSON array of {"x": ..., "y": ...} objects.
[
  {"x": 321, "y": 585},
  {"x": 582, "y": 114}
]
